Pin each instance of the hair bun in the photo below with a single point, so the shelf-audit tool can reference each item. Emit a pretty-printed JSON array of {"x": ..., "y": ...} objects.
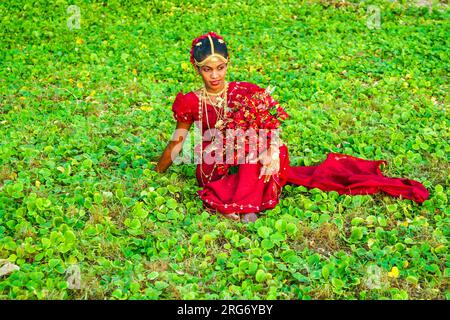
[{"x": 201, "y": 48}]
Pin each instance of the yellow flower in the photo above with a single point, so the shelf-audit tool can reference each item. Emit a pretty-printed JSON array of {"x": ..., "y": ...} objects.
[
  {"x": 184, "y": 66},
  {"x": 79, "y": 41},
  {"x": 394, "y": 273},
  {"x": 92, "y": 93},
  {"x": 37, "y": 183},
  {"x": 134, "y": 71},
  {"x": 146, "y": 108},
  {"x": 80, "y": 85}
]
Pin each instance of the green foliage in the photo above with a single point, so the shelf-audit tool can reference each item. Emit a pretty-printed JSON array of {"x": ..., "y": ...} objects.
[{"x": 85, "y": 114}]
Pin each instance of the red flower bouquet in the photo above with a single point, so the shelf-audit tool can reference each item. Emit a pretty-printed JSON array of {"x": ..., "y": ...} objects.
[
  {"x": 257, "y": 110},
  {"x": 247, "y": 115}
]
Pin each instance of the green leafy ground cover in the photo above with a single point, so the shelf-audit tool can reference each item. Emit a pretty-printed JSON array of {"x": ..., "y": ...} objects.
[{"x": 86, "y": 112}]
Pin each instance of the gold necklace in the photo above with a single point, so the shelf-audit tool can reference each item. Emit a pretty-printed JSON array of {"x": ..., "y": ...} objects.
[
  {"x": 221, "y": 105},
  {"x": 221, "y": 100},
  {"x": 203, "y": 104}
]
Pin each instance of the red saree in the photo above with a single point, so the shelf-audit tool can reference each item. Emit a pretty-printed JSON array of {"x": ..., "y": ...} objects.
[{"x": 244, "y": 192}]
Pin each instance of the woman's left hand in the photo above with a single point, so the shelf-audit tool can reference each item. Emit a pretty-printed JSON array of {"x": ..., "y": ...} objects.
[{"x": 270, "y": 160}]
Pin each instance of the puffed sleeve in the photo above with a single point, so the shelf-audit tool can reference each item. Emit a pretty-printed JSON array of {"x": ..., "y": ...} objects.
[{"x": 182, "y": 109}]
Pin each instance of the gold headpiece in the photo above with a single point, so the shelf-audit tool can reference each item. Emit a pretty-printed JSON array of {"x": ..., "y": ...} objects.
[{"x": 213, "y": 57}]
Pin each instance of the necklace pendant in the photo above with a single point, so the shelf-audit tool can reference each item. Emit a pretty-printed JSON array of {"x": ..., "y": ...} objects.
[
  {"x": 219, "y": 124},
  {"x": 219, "y": 102}
]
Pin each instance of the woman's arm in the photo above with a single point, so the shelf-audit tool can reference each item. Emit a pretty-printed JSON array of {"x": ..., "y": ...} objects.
[{"x": 173, "y": 147}]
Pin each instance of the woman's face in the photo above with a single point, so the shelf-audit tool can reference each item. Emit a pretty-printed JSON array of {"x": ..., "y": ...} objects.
[{"x": 213, "y": 75}]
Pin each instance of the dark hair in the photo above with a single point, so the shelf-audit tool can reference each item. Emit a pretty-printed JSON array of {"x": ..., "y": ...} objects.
[{"x": 201, "y": 52}]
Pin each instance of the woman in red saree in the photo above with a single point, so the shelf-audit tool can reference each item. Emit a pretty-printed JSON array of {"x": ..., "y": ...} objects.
[{"x": 257, "y": 186}]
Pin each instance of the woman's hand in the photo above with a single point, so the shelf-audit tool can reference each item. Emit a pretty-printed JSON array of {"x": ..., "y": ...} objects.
[{"x": 270, "y": 160}]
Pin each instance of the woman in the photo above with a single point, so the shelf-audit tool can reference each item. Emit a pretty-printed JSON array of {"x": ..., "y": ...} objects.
[{"x": 256, "y": 186}]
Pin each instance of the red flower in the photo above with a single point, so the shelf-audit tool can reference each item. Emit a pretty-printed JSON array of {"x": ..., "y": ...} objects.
[
  {"x": 281, "y": 113},
  {"x": 222, "y": 169}
]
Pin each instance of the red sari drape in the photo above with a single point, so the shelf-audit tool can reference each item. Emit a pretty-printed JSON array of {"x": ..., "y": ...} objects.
[{"x": 244, "y": 192}]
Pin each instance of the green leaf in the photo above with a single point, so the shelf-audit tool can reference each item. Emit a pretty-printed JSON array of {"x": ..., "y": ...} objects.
[
  {"x": 357, "y": 234},
  {"x": 195, "y": 238},
  {"x": 326, "y": 271},
  {"x": 264, "y": 231},
  {"x": 161, "y": 216},
  {"x": 54, "y": 262},
  {"x": 139, "y": 211},
  {"x": 153, "y": 275},
  {"x": 325, "y": 217},
  {"x": 18, "y": 187},
  {"x": 86, "y": 164},
  {"x": 267, "y": 244},
  {"x": 337, "y": 283},
  {"x": 391, "y": 208},
  {"x": 161, "y": 285},
  {"x": 289, "y": 256},
  {"x": 171, "y": 203},
  {"x": 132, "y": 223},
  {"x": 260, "y": 275},
  {"x": 69, "y": 237},
  {"x": 277, "y": 237},
  {"x": 291, "y": 229},
  {"x": 159, "y": 200},
  {"x": 301, "y": 278},
  {"x": 280, "y": 225},
  {"x": 243, "y": 265},
  {"x": 173, "y": 189},
  {"x": 412, "y": 279},
  {"x": 357, "y": 221},
  {"x": 382, "y": 221},
  {"x": 252, "y": 267},
  {"x": 117, "y": 293}
]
